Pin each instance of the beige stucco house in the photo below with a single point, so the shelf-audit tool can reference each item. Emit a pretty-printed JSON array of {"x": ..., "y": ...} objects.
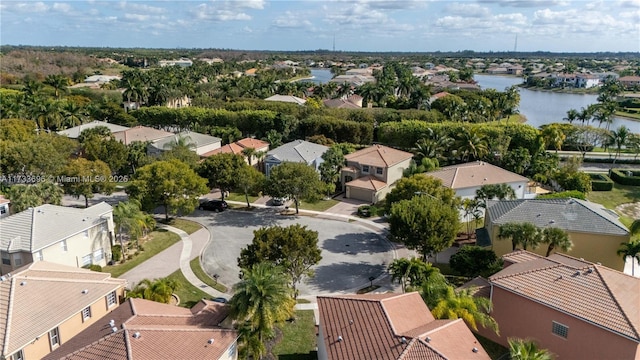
[
  {"x": 198, "y": 143},
  {"x": 596, "y": 232},
  {"x": 44, "y": 305},
  {"x": 261, "y": 148},
  {"x": 574, "y": 308},
  {"x": 370, "y": 173},
  {"x": 63, "y": 235}
]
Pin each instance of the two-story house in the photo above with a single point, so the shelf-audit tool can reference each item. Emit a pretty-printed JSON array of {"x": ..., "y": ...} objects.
[
  {"x": 371, "y": 172},
  {"x": 58, "y": 234},
  {"x": 44, "y": 305},
  {"x": 198, "y": 143},
  {"x": 295, "y": 151}
]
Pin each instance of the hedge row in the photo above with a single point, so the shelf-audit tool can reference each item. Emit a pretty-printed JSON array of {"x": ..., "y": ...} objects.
[
  {"x": 625, "y": 176},
  {"x": 601, "y": 182}
]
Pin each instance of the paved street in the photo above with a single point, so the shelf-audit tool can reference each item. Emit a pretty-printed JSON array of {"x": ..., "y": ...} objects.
[{"x": 350, "y": 253}]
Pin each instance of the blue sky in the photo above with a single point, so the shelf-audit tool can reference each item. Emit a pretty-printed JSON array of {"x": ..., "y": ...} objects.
[{"x": 357, "y": 25}]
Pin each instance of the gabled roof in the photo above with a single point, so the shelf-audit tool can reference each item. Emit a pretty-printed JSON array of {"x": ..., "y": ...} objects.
[
  {"x": 232, "y": 148},
  {"x": 287, "y": 98},
  {"x": 368, "y": 182},
  {"x": 75, "y": 131},
  {"x": 568, "y": 214},
  {"x": 379, "y": 156},
  {"x": 197, "y": 139},
  {"x": 42, "y": 295},
  {"x": 165, "y": 332},
  {"x": 140, "y": 133},
  {"x": 252, "y": 143},
  {"x": 391, "y": 326},
  {"x": 37, "y": 228},
  {"x": 591, "y": 292},
  {"x": 297, "y": 151},
  {"x": 475, "y": 174},
  {"x": 340, "y": 104}
]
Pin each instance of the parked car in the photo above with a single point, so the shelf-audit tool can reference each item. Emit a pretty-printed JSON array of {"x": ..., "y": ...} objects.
[
  {"x": 214, "y": 205},
  {"x": 220, "y": 300},
  {"x": 278, "y": 201}
]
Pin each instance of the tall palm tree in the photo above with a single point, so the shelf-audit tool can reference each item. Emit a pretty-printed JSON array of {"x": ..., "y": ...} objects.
[
  {"x": 249, "y": 153},
  {"x": 520, "y": 349},
  {"x": 471, "y": 145},
  {"x": 59, "y": 83},
  {"x": 159, "y": 290},
  {"x": 631, "y": 249},
  {"x": 474, "y": 310},
  {"x": 557, "y": 239},
  {"x": 262, "y": 298},
  {"x": 572, "y": 115},
  {"x": 413, "y": 272},
  {"x": 619, "y": 138},
  {"x": 130, "y": 220},
  {"x": 525, "y": 234}
]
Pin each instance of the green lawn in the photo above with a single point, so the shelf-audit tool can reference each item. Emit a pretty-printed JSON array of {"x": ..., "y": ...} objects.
[
  {"x": 495, "y": 350},
  {"x": 240, "y": 197},
  {"x": 187, "y": 226},
  {"x": 158, "y": 241},
  {"x": 299, "y": 338},
  {"x": 204, "y": 277},
  {"x": 320, "y": 205},
  {"x": 189, "y": 294},
  {"x": 621, "y": 194}
]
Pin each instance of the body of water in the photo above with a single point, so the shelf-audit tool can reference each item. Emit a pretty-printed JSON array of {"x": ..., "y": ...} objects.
[
  {"x": 542, "y": 107},
  {"x": 320, "y": 76}
]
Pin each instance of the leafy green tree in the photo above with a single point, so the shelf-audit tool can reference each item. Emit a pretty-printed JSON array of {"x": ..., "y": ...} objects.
[
  {"x": 556, "y": 238},
  {"x": 569, "y": 177},
  {"x": 631, "y": 249},
  {"x": 159, "y": 290},
  {"x": 137, "y": 155},
  {"x": 520, "y": 349},
  {"x": 171, "y": 184},
  {"x": 249, "y": 181},
  {"x": 471, "y": 144},
  {"x": 294, "y": 180},
  {"x": 472, "y": 211},
  {"x": 17, "y": 130},
  {"x": 24, "y": 196},
  {"x": 420, "y": 184},
  {"x": 45, "y": 154},
  {"x": 260, "y": 301},
  {"x": 84, "y": 178},
  {"x": 424, "y": 224},
  {"x": 58, "y": 82},
  {"x": 494, "y": 191},
  {"x": 553, "y": 136},
  {"x": 221, "y": 171},
  {"x": 130, "y": 220},
  {"x": 293, "y": 248},
  {"x": 333, "y": 162},
  {"x": 474, "y": 310},
  {"x": 411, "y": 273},
  {"x": 109, "y": 150},
  {"x": 524, "y": 234},
  {"x": 472, "y": 261}
]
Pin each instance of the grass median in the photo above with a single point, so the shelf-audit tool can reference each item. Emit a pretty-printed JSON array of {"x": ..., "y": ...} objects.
[{"x": 199, "y": 272}]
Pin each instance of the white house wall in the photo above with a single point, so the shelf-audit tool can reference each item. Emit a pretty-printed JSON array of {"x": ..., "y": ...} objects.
[
  {"x": 518, "y": 187},
  {"x": 80, "y": 245},
  {"x": 206, "y": 148}
]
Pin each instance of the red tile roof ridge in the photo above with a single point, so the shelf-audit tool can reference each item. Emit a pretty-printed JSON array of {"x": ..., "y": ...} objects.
[
  {"x": 443, "y": 324},
  {"x": 411, "y": 345},
  {"x": 388, "y": 317},
  {"x": 544, "y": 268},
  {"x": 120, "y": 332},
  {"x": 189, "y": 328},
  {"x": 630, "y": 322}
]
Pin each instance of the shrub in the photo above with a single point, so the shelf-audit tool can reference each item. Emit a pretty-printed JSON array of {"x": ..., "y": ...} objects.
[
  {"x": 625, "y": 176},
  {"x": 601, "y": 182},
  {"x": 94, "y": 267},
  {"x": 364, "y": 211},
  {"x": 472, "y": 261},
  {"x": 116, "y": 253},
  {"x": 564, "y": 195}
]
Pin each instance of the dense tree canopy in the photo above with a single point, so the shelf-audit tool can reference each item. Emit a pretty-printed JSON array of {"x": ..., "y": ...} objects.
[
  {"x": 420, "y": 184},
  {"x": 295, "y": 180}
]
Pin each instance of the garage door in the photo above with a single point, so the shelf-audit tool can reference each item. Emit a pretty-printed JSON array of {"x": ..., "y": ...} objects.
[{"x": 360, "y": 194}]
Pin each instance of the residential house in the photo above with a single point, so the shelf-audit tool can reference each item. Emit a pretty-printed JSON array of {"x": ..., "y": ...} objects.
[
  {"x": 146, "y": 330},
  {"x": 587, "y": 81},
  {"x": 467, "y": 178},
  {"x": 75, "y": 131},
  {"x": 44, "y": 305},
  {"x": 370, "y": 173},
  {"x": 515, "y": 69},
  {"x": 182, "y": 62},
  {"x": 574, "y": 308},
  {"x": 351, "y": 102},
  {"x": 596, "y": 232},
  {"x": 199, "y": 143},
  {"x": 287, "y": 98},
  {"x": 261, "y": 147},
  {"x": 360, "y": 71},
  {"x": 353, "y": 80},
  {"x": 140, "y": 133},
  {"x": 63, "y": 235},
  {"x": 4, "y": 206},
  {"x": 295, "y": 151},
  {"x": 389, "y": 327},
  {"x": 629, "y": 81}
]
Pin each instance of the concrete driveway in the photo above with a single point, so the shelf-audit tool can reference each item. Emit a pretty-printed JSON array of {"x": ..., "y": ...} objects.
[{"x": 350, "y": 253}]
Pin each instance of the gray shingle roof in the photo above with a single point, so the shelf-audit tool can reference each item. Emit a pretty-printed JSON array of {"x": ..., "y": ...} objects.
[
  {"x": 75, "y": 131},
  {"x": 567, "y": 214},
  {"x": 298, "y": 151},
  {"x": 39, "y": 227}
]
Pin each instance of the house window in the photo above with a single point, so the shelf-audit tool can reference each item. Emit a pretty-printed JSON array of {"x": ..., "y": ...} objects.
[
  {"x": 86, "y": 260},
  {"x": 365, "y": 169},
  {"x": 38, "y": 256},
  {"x": 111, "y": 299},
  {"x": 17, "y": 259},
  {"x": 379, "y": 171},
  {"x": 98, "y": 255},
  {"x": 18, "y": 356},
  {"x": 3, "y": 210},
  {"x": 63, "y": 245},
  {"x": 6, "y": 260},
  {"x": 86, "y": 313},
  {"x": 559, "y": 329},
  {"x": 54, "y": 338}
]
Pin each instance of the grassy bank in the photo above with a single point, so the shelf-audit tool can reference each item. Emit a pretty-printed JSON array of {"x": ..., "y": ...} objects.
[
  {"x": 199, "y": 272},
  {"x": 298, "y": 338},
  {"x": 187, "y": 226},
  {"x": 159, "y": 240},
  {"x": 189, "y": 294}
]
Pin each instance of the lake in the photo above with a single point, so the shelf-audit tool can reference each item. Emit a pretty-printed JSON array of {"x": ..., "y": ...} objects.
[{"x": 320, "y": 76}]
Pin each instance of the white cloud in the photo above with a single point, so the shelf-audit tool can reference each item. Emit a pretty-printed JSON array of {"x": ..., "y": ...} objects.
[
  {"x": 62, "y": 7},
  {"x": 220, "y": 13},
  {"x": 467, "y": 10},
  {"x": 526, "y": 3},
  {"x": 290, "y": 20},
  {"x": 136, "y": 17},
  {"x": 629, "y": 3},
  {"x": 26, "y": 7},
  {"x": 140, "y": 8}
]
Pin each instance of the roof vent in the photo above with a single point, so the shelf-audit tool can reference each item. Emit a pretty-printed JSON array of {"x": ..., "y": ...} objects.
[
  {"x": 552, "y": 221},
  {"x": 136, "y": 335},
  {"x": 577, "y": 273},
  {"x": 350, "y": 322},
  {"x": 210, "y": 341},
  {"x": 475, "y": 349},
  {"x": 589, "y": 270},
  {"x": 340, "y": 338},
  {"x": 114, "y": 329},
  {"x": 428, "y": 339},
  {"x": 112, "y": 323},
  {"x": 403, "y": 340},
  {"x": 85, "y": 291},
  {"x": 23, "y": 283},
  {"x": 2, "y": 278}
]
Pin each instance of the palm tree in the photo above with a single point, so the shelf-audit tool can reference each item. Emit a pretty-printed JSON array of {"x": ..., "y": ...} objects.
[
  {"x": 557, "y": 239},
  {"x": 471, "y": 207},
  {"x": 572, "y": 115},
  {"x": 520, "y": 349},
  {"x": 631, "y": 249},
  {"x": 130, "y": 220},
  {"x": 249, "y": 153},
  {"x": 159, "y": 290},
  {"x": 58, "y": 82},
  {"x": 525, "y": 234},
  {"x": 619, "y": 138},
  {"x": 463, "y": 305},
  {"x": 413, "y": 272},
  {"x": 262, "y": 298},
  {"x": 471, "y": 145}
]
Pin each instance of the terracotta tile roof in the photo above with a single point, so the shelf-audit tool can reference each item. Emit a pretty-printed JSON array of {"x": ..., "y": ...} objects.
[
  {"x": 3, "y": 200},
  {"x": 252, "y": 143},
  {"x": 26, "y": 314},
  {"x": 478, "y": 286},
  {"x": 519, "y": 256},
  {"x": 140, "y": 133},
  {"x": 340, "y": 104},
  {"x": 165, "y": 332},
  {"x": 391, "y": 326},
  {"x": 367, "y": 182},
  {"x": 588, "y": 291},
  {"x": 379, "y": 156},
  {"x": 232, "y": 148},
  {"x": 475, "y": 174}
]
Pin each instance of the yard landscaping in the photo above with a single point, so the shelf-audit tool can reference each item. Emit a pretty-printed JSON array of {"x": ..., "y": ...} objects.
[
  {"x": 298, "y": 338},
  {"x": 320, "y": 205},
  {"x": 156, "y": 242},
  {"x": 240, "y": 197},
  {"x": 189, "y": 294},
  {"x": 619, "y": 195}
]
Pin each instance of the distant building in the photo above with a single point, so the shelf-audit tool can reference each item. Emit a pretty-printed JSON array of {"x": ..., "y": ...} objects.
[
  {"x": 287, "y": 98},
  {"x": 75, "y": 131},
  {"x": 140, "y": 133},
  {"x": 182, "y": 62}
]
